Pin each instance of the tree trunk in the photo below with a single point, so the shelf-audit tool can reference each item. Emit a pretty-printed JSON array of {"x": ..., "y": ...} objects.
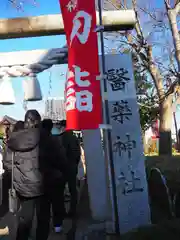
[
  {"x": 165, "y": 141},
  {"x": 172, "y": 14}
]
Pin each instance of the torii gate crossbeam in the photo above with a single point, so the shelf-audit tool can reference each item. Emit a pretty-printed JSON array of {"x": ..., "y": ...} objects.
[{"x": 47, "y": 25}]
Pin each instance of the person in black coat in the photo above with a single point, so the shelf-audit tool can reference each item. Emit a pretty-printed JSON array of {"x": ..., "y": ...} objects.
[
  {"x": 73, "y": 153},
  {"x": 55, "y": 183},
  {"x": 7, "y": 164},
  {"x": 33, "y": 148}
]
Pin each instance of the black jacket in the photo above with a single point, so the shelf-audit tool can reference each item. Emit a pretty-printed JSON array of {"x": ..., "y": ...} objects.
[
  {"x": 27, "y": 175},
  {"x": 54, "y": 164},
  {"x": 35, "y": 154},
  {"x": 72, "y": 147}
]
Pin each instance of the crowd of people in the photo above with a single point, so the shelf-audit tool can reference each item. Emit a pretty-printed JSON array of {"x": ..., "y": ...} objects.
[{"x": 40, "y": 164}]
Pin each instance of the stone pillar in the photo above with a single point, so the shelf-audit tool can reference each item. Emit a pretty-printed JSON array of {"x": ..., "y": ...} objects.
[
  {"x": 131, "y": 184},
  {"x": 96, "y": 174}
]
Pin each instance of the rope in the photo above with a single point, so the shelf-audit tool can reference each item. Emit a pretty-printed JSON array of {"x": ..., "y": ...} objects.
[{"x": 54, "y": 56}]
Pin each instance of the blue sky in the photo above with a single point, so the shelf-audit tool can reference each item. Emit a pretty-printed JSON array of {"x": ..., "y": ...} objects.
[{"x": 7, "y": 11}]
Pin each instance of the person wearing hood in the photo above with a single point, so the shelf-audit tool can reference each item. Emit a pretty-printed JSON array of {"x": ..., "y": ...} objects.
[{"x": 32, "y": 149}]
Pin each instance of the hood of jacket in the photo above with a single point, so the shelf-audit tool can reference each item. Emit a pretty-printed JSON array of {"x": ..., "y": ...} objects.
[{"x": 24, "y": 141}]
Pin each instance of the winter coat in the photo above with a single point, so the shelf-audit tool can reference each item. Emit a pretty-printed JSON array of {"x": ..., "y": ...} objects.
[
  {"x": 35, "y": 155},
  {"x": 72, "y": 147},
  {"x": 27, "y": 176},
  {"x": 55, "y": 165}
]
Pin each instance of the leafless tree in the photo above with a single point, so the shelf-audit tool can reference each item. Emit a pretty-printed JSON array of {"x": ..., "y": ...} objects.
[
  {"x": 19, "y": 4},
  {"x": 155, "y": 46}
]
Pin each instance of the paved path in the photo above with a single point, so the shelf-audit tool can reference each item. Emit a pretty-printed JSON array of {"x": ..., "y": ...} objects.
[
  {"x": 69, "y": 226},
  {"x": 84, "y": 227},
  {"x": 10, "y": 221}
]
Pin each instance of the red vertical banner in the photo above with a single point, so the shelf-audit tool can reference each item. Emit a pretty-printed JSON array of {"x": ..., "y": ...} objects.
[{"x": 82, "y": 91}]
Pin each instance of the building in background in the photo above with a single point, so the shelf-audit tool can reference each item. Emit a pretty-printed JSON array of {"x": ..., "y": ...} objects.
[
  {"x": 55, "y": 109},
  {"x": 6, "y": 125}
]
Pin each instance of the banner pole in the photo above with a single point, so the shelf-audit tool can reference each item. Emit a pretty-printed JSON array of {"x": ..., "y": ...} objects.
[{"x": 108, "y": 137}]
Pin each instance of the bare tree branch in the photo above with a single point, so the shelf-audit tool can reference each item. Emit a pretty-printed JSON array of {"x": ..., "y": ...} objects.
[
  {"x": 177, "y": 8},
  {"x": 167, "y": 4}
]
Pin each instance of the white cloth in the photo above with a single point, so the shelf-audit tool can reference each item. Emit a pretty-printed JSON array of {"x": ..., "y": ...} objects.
[
  {"x": 81, "y": 167},
  {"x": 1, "y": 164}
]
